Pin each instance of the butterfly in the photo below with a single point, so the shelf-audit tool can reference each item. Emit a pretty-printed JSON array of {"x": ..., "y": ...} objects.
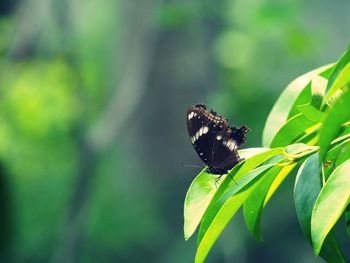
[{"x": 215, "y": 142}]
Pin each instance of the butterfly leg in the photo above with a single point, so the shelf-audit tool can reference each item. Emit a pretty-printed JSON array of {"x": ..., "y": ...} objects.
[{"x": 217, "y": 179}]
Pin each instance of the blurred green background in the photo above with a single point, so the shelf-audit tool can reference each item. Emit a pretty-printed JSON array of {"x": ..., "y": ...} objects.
[{"x": 92, "y": 119}]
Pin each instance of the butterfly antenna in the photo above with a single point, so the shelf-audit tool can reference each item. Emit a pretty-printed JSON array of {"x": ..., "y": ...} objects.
[{"x": 191, "y": 165}]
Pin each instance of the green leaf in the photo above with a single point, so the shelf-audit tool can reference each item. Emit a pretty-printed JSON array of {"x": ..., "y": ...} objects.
[
  {"x": 293, "y": 151},
  {"x": 280, "y": 111},
  {"x": 344, "y": 155},
  {"x": 327, "y": 73},
  {"x": 299, "y": 150},
  {"x": 331, "y": 250},
  {"x": 318, "y": 90},
  {"x": 219, "y": 214},
  {"x": 249, "y": 152},
  {"x": 312, "y": 94},
  {"x": 330, "y": 204},
  {"x": 340, "y": 82},
  {"x": 203, "y": 188},
  {"x": 307, "y": 187},
  {"x": 293, "y": 129},
  {"x": 347, "y": 220},
  {"x": 253, "y": 161},
  {"x": 219, "y": 223},
  {"x": 197, "y": 199},
  {"x": 226, "y": 192},
  {"x": 331, "y": 125},
  {"x": 303, "y": 98},
  {"x": 338, "y": 75},
  {"x": 278, "y": 180},
  {"x": 254, "y": 204},
  {"x": 332, "y": 157},
  {"x": 249, "y": 164},
  {"x": 346, "y": 129},
  {"x": 311, "y": 112}
]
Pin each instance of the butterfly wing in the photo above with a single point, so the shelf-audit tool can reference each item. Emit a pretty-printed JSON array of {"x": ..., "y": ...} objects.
[
  {"x": 238, "y": 134},
  {"x": 201, "y": 134},
  {"x": 214, "y": 141},
  {"x": 225, "y": 153}
]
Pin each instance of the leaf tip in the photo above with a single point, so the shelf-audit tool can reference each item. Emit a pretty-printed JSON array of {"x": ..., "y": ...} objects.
[
  {"x": 317, "y": 250},
  {"x": 316, "y": 245},
  {"x": 259, "y": 238}
]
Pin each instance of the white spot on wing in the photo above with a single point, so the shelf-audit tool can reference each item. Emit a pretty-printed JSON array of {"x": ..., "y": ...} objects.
[
  {"x": 218, "y": 137},
  {"x": 205, "y": 129},
  {"x": 231, "y": 145},
  {"x": 200, "y": 131},
  {"x": 197, "y": 135},
  {"x": 190, "y": 116}
]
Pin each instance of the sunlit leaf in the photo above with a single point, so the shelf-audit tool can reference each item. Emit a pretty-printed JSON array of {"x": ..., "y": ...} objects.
[
  {"x": 330, "y": 204},
  {"x": 254, "y": 204},
  {"x": 266, "y": 188},
  {"x": 339, "y": 76},
  {"x": 331, "y": 125},
  {"x": 293, "y": 129},
  {"x": 248, "y": 165},
  {"x": 249, "y": 152},
  {"x": 218, "y": 215},
  {"x": 278, "y": 180},
  {"x": 318, "y": 87},
  {"x": 299, "y": 150},
  {"x": 203, "y": 188},
  {"x": 308, "y": 184},
  {"x": 310, "y": 112},
  {"x": 340, "y": 82},
  {"x": 280, "y": 111},
  {"x": 197, "y": 199},
  {"x": 344, "y": 155},
  {"x": 327, "y": 73},
  {"x": 219, "y": 223},
  {"x": 228, "y": 192},
  {"x": 303, "y": 98}
]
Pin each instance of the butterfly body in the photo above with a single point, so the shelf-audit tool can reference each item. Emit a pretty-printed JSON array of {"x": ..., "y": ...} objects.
[{"x": 213, "y": 139}]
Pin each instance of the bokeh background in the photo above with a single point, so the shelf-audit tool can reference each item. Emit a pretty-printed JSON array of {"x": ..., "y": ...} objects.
[{"x": 93, "y": 96}]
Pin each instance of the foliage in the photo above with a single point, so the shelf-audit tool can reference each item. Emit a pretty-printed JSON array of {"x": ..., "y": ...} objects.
[
  {"x": 64, "y": 64},
  {"x": 307, "y": 128}
]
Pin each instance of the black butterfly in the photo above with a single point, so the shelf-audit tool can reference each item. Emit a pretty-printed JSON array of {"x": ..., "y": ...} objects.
[{"x": 214, "y": 140}]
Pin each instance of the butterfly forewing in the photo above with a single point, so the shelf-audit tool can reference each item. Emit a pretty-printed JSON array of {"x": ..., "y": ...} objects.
[{"x": 201, "y": 134}]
